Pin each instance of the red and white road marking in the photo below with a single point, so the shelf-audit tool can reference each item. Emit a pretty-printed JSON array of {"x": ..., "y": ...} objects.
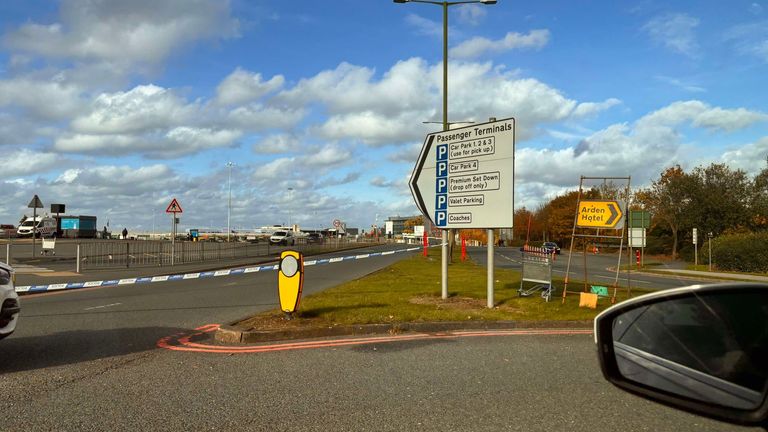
[{"x": 186, "y": 341}]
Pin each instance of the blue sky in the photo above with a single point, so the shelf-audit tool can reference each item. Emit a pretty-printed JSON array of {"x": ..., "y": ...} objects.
[{"x": 114, "y": 107}]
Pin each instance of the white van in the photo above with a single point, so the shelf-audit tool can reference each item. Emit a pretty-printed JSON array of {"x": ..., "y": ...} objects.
[
  {"x": 282, "y": 238},
  {"x": 46, "y": 226}
]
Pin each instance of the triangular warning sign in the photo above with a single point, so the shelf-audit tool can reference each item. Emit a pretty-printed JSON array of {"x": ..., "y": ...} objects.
[
  {"x": 174, "y": 207},
  {"x": 35, "y": 202}
]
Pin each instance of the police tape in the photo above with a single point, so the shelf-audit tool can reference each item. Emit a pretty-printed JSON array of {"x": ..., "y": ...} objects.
[{"x": 198, "y": 275}]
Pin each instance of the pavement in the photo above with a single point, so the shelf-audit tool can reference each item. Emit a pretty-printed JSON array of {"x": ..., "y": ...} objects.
[{"x": 714, "y": 275}]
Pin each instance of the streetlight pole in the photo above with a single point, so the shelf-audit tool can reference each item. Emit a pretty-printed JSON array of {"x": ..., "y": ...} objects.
[
  {"x": 447, "y": 234},
  {"x": 229, "y": 205},
  {"x": 290, "y": 199}
]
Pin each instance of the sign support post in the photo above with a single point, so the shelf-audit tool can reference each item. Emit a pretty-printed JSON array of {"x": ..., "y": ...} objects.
[
  {"x": 464, "y": 179},
  {"x": 34, "y": 204},
  {"x": 490, "y": 268},
  {"x": 695, "y": 248},
  {"x": 173, "y": 208},
  {"x": 601, "y": 214}
]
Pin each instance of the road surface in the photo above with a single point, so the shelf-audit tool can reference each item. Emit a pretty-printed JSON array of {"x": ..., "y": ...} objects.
[{"x": 89, "y": 360}]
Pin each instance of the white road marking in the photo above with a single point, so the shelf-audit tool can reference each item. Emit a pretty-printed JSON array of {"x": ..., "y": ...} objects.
[
  {"x": 510, "y": 259},
  {"x": 622, "y": 280},
  {"x": 604, "y": 277},
  {"x": 104, "y": 306}
]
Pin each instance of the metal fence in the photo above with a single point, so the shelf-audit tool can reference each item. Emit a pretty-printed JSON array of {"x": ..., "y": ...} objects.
[{"x": 149, "y": 253}]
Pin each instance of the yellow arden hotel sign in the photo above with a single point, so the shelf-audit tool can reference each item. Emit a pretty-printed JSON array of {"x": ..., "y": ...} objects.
[{"x": 600, "y": 214}]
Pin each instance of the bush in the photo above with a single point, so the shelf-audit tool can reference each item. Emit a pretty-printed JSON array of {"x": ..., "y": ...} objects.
[{"x": 741, "y": 252}]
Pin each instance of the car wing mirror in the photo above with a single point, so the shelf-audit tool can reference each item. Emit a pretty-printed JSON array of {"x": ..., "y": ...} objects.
[{"x": 701, "y": 349}]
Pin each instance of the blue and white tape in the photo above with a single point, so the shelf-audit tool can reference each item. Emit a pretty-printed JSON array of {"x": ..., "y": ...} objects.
[{"x": 197, "y": 275}]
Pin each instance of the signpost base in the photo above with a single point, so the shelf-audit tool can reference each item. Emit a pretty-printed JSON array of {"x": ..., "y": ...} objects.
[
  {"x": 444, "y": 265},
  {"x": 490, "y": 268}
]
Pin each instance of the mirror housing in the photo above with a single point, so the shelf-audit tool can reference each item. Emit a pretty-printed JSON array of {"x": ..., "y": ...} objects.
[{"x": 653, "y": 345}]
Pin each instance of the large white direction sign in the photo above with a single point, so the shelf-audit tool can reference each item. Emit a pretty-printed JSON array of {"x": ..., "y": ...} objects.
[{"x": 465, "y": 178}]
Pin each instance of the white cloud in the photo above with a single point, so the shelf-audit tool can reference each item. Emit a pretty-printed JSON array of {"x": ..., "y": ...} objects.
[
  {"x": 372, "y": 128},
  {"x": 391, "y": 109},
  {"x": 48, "y": 99},
  {"x": 641, "y": 150},
  {"x": 687, "y": 86},
  {"x": 26, "y": 162},
  {"x": 702, "y": 115},
  {"x": 406, "y": 154},
  {"x": 350, "y": 88},
  {"x": 124, "y": 33},
  {"x": 277, "y": 169},
  {"x": 118, "y": 180},
  {"x": 242, "y": 86},
  {"x": 188, "y": 140},
  {"x": 750, "y": 39},
  {"x": 751, "y": 158},
  {"x": 585, "y": 109},
  {"x": 312, "y": 164},
  {"x": 280, "y": 143},
  {"x": 327, "y": 156},
  {"x": 425, "y": 26},
  {"x": 477, "y": 46},
  {"x": 100, "y": 144},
  {"x": 176, "y": 142},
  {"x": 472, "y": 14},
  {"x": 141, "y": 109},
  {"x": 676, "y": 32},
  {"x": 256, "y": 117}
]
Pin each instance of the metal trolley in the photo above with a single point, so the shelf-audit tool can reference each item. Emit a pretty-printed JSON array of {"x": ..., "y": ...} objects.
[
  {"x": 537, "y": 268},
  {"x": 49, "y": 246}
]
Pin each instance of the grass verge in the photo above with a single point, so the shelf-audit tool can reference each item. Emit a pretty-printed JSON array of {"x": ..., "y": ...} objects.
[{"x": 409, "y": 291}]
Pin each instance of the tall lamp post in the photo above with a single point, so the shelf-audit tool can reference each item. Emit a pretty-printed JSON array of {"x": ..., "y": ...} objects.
[
  {"x": 229, "y": 205},
  {"x": 447, "y": 234},
  {"x": 290, "y": 201}
]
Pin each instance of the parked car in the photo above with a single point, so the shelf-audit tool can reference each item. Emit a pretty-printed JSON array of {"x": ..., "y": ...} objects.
[
  {"x": 551, "y": 247},
  {"x": 315, "y": 238},
  {"x": 282, "y": 238},
  {"x": 9, "y": 309}
]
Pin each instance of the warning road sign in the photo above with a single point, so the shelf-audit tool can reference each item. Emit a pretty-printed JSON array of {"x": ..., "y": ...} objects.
[
  {"x": 174, "y": 207},
  {"x": 600, "y": 214}
]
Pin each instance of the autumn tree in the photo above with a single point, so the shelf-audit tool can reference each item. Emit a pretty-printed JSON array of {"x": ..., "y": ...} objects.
[
  {"x": 720, "y": 199},
  {"x": 522, "y": 218},
  {"x": 412, "y": 222},
  {"x": 557, "y": 216},
  {"x": 669, "y": 201},
  {"x": 759, "y": 201}
]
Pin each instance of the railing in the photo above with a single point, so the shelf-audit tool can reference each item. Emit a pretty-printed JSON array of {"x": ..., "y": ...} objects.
[{"x": 152, "y": 253}]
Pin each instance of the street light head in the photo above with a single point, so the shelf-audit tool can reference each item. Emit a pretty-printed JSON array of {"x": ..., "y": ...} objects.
[
  {"x": 400, "y": 1},
  {"x": 488, "y": 2}
]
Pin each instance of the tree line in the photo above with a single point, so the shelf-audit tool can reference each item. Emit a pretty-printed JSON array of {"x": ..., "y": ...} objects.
[{"x": 714, "y": 199}]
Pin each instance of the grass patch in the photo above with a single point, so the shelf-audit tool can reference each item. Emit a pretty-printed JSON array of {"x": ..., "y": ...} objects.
[{"x": 409, "y": 291}]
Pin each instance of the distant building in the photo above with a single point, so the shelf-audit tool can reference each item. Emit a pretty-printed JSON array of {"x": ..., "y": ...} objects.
[{"x": 395, "y": 225}]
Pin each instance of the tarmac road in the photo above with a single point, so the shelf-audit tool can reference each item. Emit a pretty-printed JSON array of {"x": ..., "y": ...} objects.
[
  {"x": 89, "y": 360},
  {"x": 597, "y": 269},
  {"x": 512, "y": 383}
]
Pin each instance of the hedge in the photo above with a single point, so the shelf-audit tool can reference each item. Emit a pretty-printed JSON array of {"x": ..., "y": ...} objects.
[{"x": 741, "y": 252}]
